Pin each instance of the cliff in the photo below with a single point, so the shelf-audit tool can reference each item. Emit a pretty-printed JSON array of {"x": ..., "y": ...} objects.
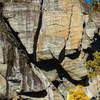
[{"x": 44, "y": 45}]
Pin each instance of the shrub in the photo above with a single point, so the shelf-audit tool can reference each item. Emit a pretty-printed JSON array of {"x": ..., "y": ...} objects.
[
  {"x": 95, "y": 5},
  {"x": 93, "y": 67},
  {"x": 78, "y": 94}
]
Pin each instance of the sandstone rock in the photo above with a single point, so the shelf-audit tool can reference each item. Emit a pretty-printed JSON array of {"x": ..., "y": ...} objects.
[
  {"x": 30, "y": 81},
  {"x": 94, "y": 87},
  {"x": 3, "y": 88},
  {"x": 74, "y": 65},
  {"x": 19, "y": 1},
  {"x": 41, "y": 96},
  {"x": 3, "y": 65},
  {"x": 96, "y": 18},
  {"x": 24, "y": 20},
  {"x": 52, "y": 75},
  {"x": 28, "y": 98},
  {"x": 70, "y": 51},
  {"x": 13, "y": 95},
  {"x": 91, "y": 29},
  {"x": 57, "y": 94},
  {"x": 53, "y": 27},
  {"x": 53, "y": 32},
  {"x": 67, "y": 84},
  {"x": 63, "y": 90},
  {"x": 16, "y": 98},
  {"x": 44, "y": 55}
]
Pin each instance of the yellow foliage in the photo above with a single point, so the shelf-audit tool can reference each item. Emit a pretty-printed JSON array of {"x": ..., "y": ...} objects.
[
  {"x": 78, "y": 94},
  {"x": 72, "y": 90},
  {"x": 80, "y": 86}
]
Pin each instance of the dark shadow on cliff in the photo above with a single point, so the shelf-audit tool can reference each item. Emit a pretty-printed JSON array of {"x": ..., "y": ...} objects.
[
  {"x": 90, "y": 52},
  {"x": 35, "y": 94},
  {"x": 37, "y": 33},
  {"x": 84, "y": 24},
  {"x": 73, "y": 55},
  {"x": 2, "y": 97},
  {"x": 49, "y": 65},
  {"x": 10, "y": 29},
  {"x": 62, "y": 54},
  {"x": 96, "y": 43},
  {"x": 1, "y": 5},
  {"x": 56, "y": 83},
  {"x": 95, "y": 46}
]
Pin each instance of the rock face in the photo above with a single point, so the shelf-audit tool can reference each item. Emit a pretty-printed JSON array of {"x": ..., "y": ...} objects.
[
  {"x": 60, "y": 24},
  {"x": 44, "y": 45},
  {"x": 3, "y": 86}
]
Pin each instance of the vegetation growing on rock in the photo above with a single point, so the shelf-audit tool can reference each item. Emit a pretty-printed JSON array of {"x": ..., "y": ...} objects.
[
  {"x": 93, "y": 67},
  {"x": 95, "y": 5},
  {"x": 78, "y": 94}
]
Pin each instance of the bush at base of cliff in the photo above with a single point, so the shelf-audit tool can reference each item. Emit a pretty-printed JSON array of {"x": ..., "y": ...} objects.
[
  {"x": 93, "y": 67},
  {"x": 78, "y": 94}
]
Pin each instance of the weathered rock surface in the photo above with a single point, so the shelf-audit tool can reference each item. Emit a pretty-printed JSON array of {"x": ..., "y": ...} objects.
[
  {"x": 3, "y": 65},
  {"x": 3, "y": 87},
  {"x": 59, "y": 27},
  {"x": 94, "y": 87},
  {"x": 44, "y": 45},
  {"x": 74, "y": 65}
]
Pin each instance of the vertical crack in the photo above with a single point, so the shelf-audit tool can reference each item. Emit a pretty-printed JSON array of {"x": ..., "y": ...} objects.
[
  {"x": 71, "y": 19},
  {"x": 11, "y": 35},
  {"x": 67, "y": 43},
  {"x": 37, "y": 33}
]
